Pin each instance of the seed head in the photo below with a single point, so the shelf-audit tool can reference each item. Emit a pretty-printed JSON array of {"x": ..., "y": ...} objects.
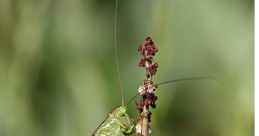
[
  {"x": 148, "y": 51},
  {"x": 146, "y": 89}
]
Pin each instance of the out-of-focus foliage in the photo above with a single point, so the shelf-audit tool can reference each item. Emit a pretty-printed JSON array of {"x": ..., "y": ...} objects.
[{"x": 57, "y": 67}]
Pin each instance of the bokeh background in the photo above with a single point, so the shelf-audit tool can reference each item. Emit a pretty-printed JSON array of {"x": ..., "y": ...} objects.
[{"x": 57, "y": 66}]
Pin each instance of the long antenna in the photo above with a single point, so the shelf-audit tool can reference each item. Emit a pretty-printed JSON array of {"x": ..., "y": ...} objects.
[
  {"x": 175, "y": 80},
  {"x": 185, "y": 79},
  {"x": 132, "y": 99},
  {"x": 116, "y": 51}
]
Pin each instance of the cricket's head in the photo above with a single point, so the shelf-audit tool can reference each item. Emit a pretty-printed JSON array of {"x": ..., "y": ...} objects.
[{"x": 121, "y": 111}]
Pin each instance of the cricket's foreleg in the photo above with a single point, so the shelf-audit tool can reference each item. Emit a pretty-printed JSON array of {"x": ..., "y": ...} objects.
[
  {"x": 131, "y": 127},
  {"x": 119, "y": 122}
]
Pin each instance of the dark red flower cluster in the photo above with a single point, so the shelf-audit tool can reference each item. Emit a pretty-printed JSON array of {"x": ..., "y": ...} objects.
[
  {"x": 148, "y": 96},
  {"x": 148, "y": 51},
  {"x": 148, "y": 48},
  {"x": 148, "y": 99},
  {"x": 152, "y": 69}
]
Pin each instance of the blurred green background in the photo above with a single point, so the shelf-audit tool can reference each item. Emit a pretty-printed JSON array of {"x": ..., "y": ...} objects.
[{"x": 57, "y": 67}]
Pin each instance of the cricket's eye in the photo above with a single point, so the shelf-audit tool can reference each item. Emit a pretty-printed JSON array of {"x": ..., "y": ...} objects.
[{"x": 121, "y": 113}]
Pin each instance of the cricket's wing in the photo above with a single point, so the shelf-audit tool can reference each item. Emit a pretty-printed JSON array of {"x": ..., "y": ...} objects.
[{"x": 109, "y": 127}]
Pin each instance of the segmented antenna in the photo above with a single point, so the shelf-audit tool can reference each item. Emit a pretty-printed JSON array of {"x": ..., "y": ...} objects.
[
  {"x": 116, "y": 51},
  {"x": 175, "y": 80},
  {"x": 189, "y": 78}
]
